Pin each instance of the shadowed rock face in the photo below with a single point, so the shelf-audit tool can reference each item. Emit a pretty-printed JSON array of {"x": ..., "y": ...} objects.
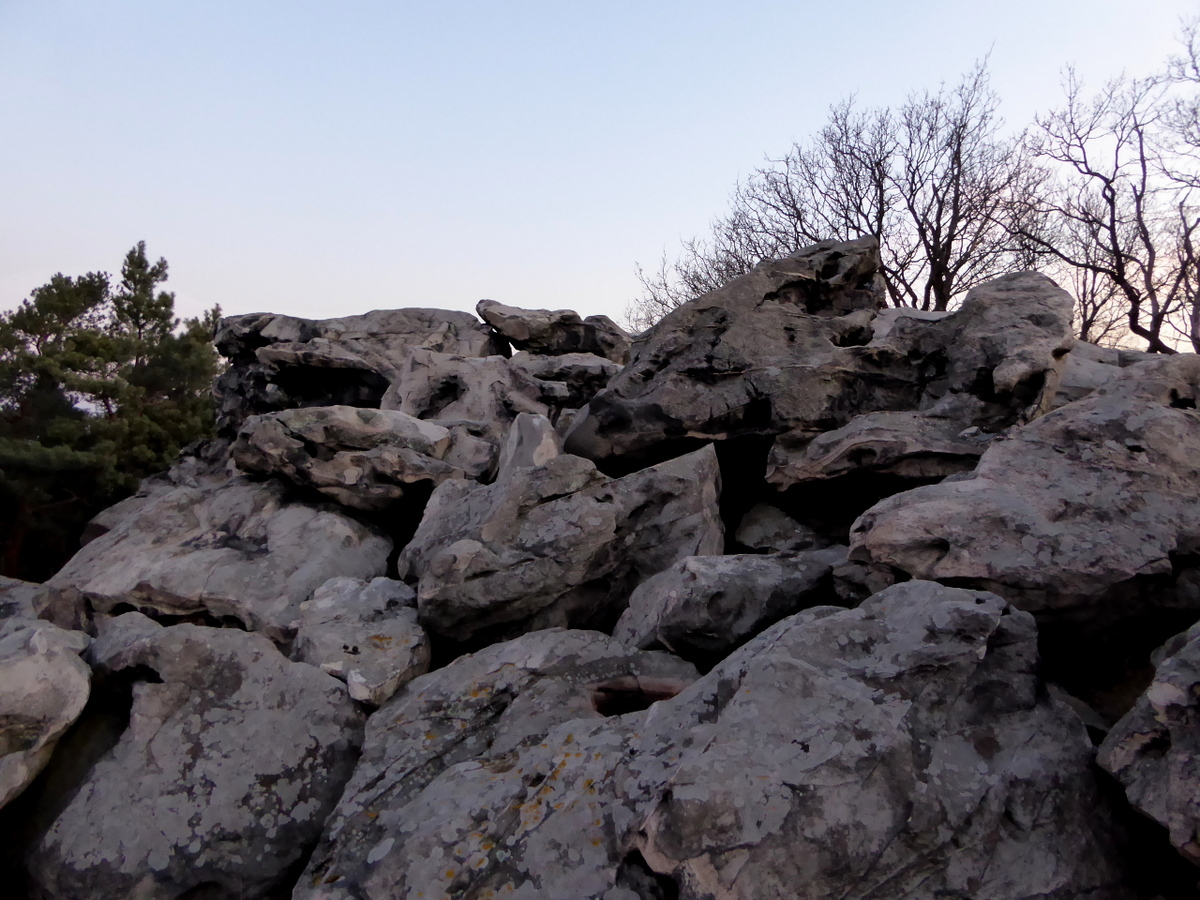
[
  {"x": 904, "y": 743},
  {"x": 555, "y": 332},
  {"x": 232, "y": 760}
]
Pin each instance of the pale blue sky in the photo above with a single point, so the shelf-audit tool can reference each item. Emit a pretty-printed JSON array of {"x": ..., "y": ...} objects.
[{"x": 323, "y": 159}]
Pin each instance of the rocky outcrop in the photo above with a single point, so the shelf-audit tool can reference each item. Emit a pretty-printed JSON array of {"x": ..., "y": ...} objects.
[
  {"x": 232, "y": 760},
  {"x": 281, "y": 362},
  {"x": 562, "y": 544},
  {"x": 905, "y": 743},
  {"x": 768, "y": 529},
  {"x": 366, "y": 459},
  {"x": 568, "y": 381},
  {"x": 236, "y": 549},
  {"x": 555, "y": 332},
  {"x": 44, "y": 686},
  {"x": 365, "y": 634}
]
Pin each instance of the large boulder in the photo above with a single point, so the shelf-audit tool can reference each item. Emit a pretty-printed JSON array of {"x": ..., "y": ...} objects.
[
  {"x": 233, "y": 549},
  {"x": 703, "y": 607},
  {"x": 790, "y": 348},
  {"x": 557, "y": 544},
  {"x": 232, "y": 760},
  {"x": 568, "y": 381},
  {"x": 18, "y": 598},
  {"x": 366, "y": 459},
  {"x": 282, "y": 362},
  {"x": 555, "y": 332},
  {"x": 1092, "y": 512},
  {"x": 905, "y": 747},
  {"x": 44, "y": 686}
]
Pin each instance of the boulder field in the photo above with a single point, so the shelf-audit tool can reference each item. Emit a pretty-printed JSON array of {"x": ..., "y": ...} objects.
[{"x": 791, "y": 596}]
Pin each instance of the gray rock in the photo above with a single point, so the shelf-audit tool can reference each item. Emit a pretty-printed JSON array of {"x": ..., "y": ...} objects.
[
  {"x": 17, "y": 598},
  {"x": 1153, "y": 749},
  {"x": 365, "y": 634},
  {"x": 556, "y": 332},
  {"x": 560, "y": 545},
  {"x": 570, "y": 380},
  {"x": 532, "y": 441},
  {"x": 1088, "y": 366},
  {"x": 219, "y": 786},
  {"x": 282, "y": 362},
  {"x": 446, "y": 793},
  {"x": 705, "y": 606},
  {"x": 476, "y": 398},
  {"x": 44, "y": 686},
  {"x": 789, "y": 348},
  {"x": 366, "y": 459},
  {"x": 769, "y": 529},
  {"x": 905, "y": 747},
  {"x": 234, "y": 549},
  {"x": 1079, "y": 513}
]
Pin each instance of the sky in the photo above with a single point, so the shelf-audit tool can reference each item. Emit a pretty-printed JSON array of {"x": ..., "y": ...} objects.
[{"x": 324, "y": 159}]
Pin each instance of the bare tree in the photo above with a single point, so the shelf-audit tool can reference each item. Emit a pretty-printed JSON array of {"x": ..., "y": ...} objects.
[{"x": 932, "y": 180}]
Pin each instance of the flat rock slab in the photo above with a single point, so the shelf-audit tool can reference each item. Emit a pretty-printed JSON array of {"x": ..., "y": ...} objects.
[
  {"x": 557, "y": 544},
  {"x": 230, "y": 765},
  {"x": 556, "y": 332},
  {"x": 366, "y": 459},
  {"x": 44, "y": 686},
  {"x": 237, "y": 548},
  {"x": 906, "y": 743}
]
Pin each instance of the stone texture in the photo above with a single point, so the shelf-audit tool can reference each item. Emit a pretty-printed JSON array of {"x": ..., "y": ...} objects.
[
  {"x": 230, "y": 764},
  {"x": 365, "y": 634},
  {"x": 282, "y": 362},
  {"x": 768, "y": 529},
  {"x": 570, "y": 380},
  {"x": 532, "y": 441},
  {"x": 1086, "y": 512},
  {"x": 789, "y": 348},
  {"x": 703, "y": 607},
  {"x": 1154, "y": 750},
  {"x": 44, "y": 686},
  {"x": 366, "y": 459},
  {"x": 903, "y": 749},
  {"x": 17, "y": 598},
  {"x": 236, "y": 549},
  {"x": 556, "y": 332},
  {"x": 1088, "y": 366},
  {"x": 562, "y": 544},
  {"x": 477, "y": 399}
]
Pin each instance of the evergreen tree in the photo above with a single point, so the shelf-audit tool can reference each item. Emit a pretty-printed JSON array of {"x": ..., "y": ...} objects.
[{"x": 98, "y": 389}]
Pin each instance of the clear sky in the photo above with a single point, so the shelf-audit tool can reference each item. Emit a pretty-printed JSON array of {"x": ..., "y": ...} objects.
[{"x": 323, "y": 159}]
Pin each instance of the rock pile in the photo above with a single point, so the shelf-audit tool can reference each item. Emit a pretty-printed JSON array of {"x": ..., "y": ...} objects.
[{"x": 792, "y": 596}]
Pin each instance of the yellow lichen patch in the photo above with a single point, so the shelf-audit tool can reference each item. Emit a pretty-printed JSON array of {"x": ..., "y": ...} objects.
[{"x": 381, "y": 641}]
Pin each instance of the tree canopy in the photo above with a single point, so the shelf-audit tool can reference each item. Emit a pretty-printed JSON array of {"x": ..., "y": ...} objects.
[{"x": 100, "y": 386}]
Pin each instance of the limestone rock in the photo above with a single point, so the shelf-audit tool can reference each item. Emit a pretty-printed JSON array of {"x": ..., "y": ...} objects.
[
  {"x": 532, "y": 441},
  {"x": 705, "y": 606},
  {"x": 1079, "y": 513},
  {"x": 476, "y": 398},
  {"x": 570, "y": 380},
  {"x": 44, "y": 686},
  {"x": 1153, "y": 750},
  {"x": 17, "y": 598},
  {"x": 282, "y": 362},
  {"x": 562, "y": 544},
  {"x": 365, "y": 459},
  {"x": 556, "y": 332},
  {"x": 365, "y": 634},
  {"x": 787, "y": 349},
  {"x": 233, "y": 549},
  {"x": 1088, "y": 366},
  {"x": 231, "y": 762},
  {"x": 905, "y": 744},
  {"x": 444, "y": 782},
  {"x": 768, "y": 529}
]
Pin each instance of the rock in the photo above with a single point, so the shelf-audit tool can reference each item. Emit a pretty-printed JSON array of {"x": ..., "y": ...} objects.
[
  {"x": 907, "y": 743},
  {"x": 560, "y": 545},
  {"x": 532, "y": 441},
  {"x": 917, "y": 446},
  {"x": 44, "y": 686},
  {"x": 570, "y": 380},
  {"x": 885, "y": 320},
  {"x": 453, "y": 745},
  {"x": 786, "y": 349},
  {"x": 1077, "y": 515},
  {"x": 1153, "y": 750},
  {"x": 1087, "y": 367},
  {"x": 17, "y": 598},
  {"x": 556, "y": 332},
  {"x": 236, "y": 549},
  {"x": 366, "y": 459},
  {"x": 477, "y": 399},
  {"x": 232, "y": 760},
  {"x": 281, "y": 362},
  {"x": 769, "y": 529},
  {"x": 703, "y": 607},
  {"x": 365, "y": 634}
]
